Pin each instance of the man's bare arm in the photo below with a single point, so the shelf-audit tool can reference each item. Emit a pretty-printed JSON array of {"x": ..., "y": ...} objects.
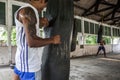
[{"x": 28, "y": 18}]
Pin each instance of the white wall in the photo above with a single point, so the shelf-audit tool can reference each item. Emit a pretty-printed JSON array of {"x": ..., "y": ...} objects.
[
  {"x": 116, "y": 45},
  {"x": 87, "y": 50},
  {"x": 4, "y": 55}
]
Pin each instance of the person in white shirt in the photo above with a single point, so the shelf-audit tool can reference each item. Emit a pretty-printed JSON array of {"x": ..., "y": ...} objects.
[{"x": 29, "y": 43}]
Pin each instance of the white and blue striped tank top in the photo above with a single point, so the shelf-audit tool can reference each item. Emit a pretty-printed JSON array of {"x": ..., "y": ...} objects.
[{"x": 27, "y": 59}]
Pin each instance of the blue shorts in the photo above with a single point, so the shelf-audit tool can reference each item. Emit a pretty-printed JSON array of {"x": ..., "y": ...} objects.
[
  {"x": 101, "y": 48},
  {"x": 28, "y": 75}
]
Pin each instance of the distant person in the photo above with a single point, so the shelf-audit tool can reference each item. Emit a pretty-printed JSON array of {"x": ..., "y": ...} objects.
[
  {"x": 101, "y": 47},
  {"x": 29, "y": 52}
]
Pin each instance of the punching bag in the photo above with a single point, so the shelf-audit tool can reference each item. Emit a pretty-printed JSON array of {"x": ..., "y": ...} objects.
[
  {"x": 100, "y": 33},
  {"x": 56, "y": 58}
]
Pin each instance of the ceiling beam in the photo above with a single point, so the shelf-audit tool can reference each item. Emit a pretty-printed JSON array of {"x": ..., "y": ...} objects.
[
  {"x": 111, "y": 18},
  {"x": 102, "y": 10},
  {"x": 115, "y": 9},
  {"x": 108, "y": 4},
  {"x": 75, "y": 5},
  {"x": 114, "y": 22},
  {"x": 105, "y": 16},
  {"x": 97, "y": 5},
  {"x": 88, "y": 10}
]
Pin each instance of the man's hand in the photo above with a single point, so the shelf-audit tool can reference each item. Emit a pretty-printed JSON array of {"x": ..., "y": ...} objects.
[
  {"x": 56, "y": 39},
  {"x": 44, "y": 22}
]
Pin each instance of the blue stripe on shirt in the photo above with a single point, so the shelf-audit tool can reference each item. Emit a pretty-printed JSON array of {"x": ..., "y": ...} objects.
[
  {"x": 27, "y": 57},
  {"x": 21, "y": 47},
  {"x": 23, "y": 50}
]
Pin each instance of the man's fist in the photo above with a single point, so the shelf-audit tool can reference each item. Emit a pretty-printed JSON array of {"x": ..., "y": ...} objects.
[{"x": 56, "y": 39}]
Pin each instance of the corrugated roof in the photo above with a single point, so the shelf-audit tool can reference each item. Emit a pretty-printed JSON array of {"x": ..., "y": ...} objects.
[{"x": 106, "y": 11}]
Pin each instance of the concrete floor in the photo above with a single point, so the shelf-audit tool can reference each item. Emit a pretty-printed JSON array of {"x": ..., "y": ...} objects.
[
  {"x": 85, "y": 68},
  {"x": 96, "y": 68}
]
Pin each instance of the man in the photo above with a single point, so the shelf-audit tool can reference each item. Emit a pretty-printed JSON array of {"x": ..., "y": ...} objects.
[
  {"x": 101, "y": 47},
  {"x": 28, "y": 58}
]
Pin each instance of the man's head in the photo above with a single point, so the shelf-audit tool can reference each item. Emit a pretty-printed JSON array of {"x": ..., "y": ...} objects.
[{"x": 38, "y": 4}]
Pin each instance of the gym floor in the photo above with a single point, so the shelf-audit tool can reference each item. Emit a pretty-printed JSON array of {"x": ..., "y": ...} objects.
[{"x": 85, "y": 68}]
